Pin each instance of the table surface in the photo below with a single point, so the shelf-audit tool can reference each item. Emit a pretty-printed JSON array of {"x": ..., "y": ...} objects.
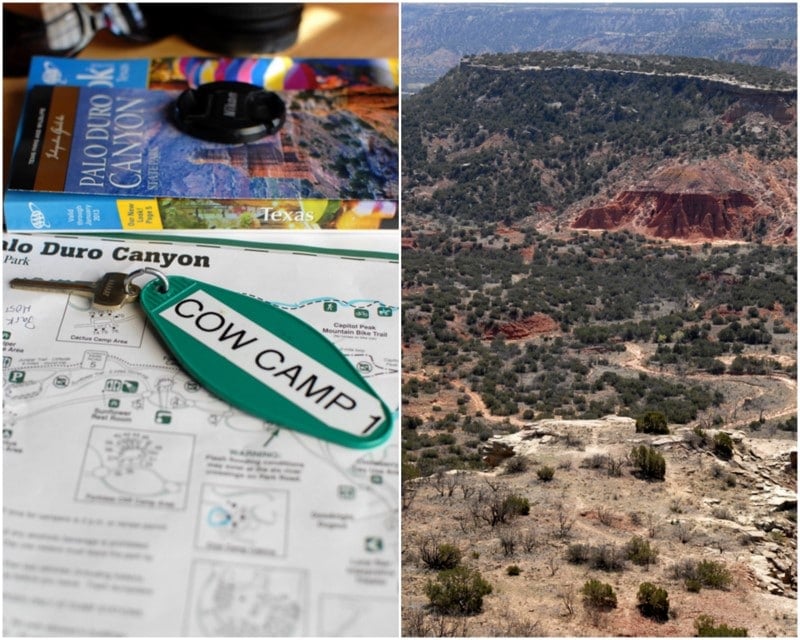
[{"x": 327, "y": 30}]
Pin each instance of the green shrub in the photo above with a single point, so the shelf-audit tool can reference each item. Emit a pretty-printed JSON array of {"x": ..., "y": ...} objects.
[
  {"x": 700, "y": 437},
  {"x": 707, "y": 629},
  {"x": 706, "y": 573},
  {"x": 517, "y": 464},
  {"x": 598, "y": 595},
  {"x": 545, "y": 474},
  {"x": 652, "y": 422},
  {"x": 579, "y": 553},
  {"x": 439, "y": 555},
  {"x": 639, "y": 551},
  {"x": 517, "y": 505},
  {"x": 723, "y": 445},
  {"x": 607, "y": 557},
  {"x": 458, "y": 591},
  {"x": 693, "y": 585},
  {"x": 513, "y": 570},
  {"x": 408, "y": 471},
  {"x": 649, "y": 462},
  {"x": 653, "y": 602},
  {"x": 713, "y": 575}
]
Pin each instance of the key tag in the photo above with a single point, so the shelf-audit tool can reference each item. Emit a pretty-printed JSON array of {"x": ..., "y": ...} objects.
[{"x": 264, "y": 361}]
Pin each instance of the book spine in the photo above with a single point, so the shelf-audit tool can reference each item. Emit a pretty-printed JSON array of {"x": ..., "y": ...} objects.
[{"x": 40, "y": 211}]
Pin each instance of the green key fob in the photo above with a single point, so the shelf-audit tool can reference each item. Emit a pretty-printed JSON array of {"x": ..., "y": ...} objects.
[{"x": 265, "y": 361}]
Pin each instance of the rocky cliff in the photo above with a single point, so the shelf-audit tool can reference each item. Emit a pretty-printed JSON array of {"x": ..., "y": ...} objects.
[
  {"x": 669, "y": 147},
  {"x": 720, "y": 199}
]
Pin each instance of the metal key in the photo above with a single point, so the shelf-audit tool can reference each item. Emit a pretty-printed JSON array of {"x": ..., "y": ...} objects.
[{"x": 109, "y": 293}]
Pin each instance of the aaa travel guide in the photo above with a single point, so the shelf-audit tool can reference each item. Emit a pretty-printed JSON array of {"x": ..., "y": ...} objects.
[{"x": 104, "y": 157}]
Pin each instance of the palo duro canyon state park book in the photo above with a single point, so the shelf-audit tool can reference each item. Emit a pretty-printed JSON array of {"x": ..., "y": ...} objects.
[{"x": 106, "y": 157}]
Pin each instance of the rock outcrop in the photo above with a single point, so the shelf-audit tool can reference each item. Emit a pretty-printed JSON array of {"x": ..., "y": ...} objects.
[
  {"x": 774, "y": 105},
  {"x": 537, "y": 323},
  {"x": 676, "y": 215},
  {"x": 702, "y": 202}
]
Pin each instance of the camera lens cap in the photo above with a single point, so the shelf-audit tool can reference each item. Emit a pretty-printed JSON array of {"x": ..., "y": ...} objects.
[{"x": 230, "y": 112}]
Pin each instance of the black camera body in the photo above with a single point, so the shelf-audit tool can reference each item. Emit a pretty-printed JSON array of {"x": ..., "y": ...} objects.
[
  {"x": 231, "y": 29},
  {"x": 237, "y": 28}
]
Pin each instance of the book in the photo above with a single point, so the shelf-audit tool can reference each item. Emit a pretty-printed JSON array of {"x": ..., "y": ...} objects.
[{"x": 332, "y": 165}]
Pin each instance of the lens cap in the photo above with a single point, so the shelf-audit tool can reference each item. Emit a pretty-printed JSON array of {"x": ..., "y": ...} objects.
[{"x": 230, "y": 112}]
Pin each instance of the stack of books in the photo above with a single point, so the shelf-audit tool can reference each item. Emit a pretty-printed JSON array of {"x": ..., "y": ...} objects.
[{"x": 97, "y": 149}]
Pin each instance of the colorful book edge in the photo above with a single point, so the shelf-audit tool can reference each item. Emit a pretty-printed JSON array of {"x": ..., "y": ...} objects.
[
  {"x": 42, "y": 211},
  {"x": 278, "y": 73}
]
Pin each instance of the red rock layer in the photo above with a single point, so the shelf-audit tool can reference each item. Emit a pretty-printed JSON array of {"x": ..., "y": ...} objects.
[
  {"x": 675, "y": 215},
  {"x": 733, "y": 197},
  {"x": 537, "y": 323}
]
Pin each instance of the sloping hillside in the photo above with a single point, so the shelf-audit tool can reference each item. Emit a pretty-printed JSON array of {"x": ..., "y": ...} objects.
[
  {"x": 594, "y": 244},
  {"x": 530, "y": 137}
]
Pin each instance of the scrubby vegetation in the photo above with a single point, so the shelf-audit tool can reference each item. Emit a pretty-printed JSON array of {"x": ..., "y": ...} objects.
[
  {"x": 641, "y": 552},
  {"x": 439, "y": 555},
  {"x": 708, "y": 628},
  {"x": 649, "y": 462},
  {"x": 653, "y": 602},
  {"x": 460, "y": 293},
  {"x": 458, "y": 591},
  {"x": 652, "y": 422},
  {"x": 723, "y": 445},
  {"x": 545, "y": 473},
  {"x": 598, "y": 595},
  {"x": 704, "y": 573},
  {"x": 570, "y": 119}
]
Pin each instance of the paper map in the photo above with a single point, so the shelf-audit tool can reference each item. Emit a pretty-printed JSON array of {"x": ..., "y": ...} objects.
[{"x": 136, "y": 503}]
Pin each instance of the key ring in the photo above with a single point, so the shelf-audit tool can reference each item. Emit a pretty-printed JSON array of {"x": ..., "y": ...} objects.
[{"x": 147, "y": 271}]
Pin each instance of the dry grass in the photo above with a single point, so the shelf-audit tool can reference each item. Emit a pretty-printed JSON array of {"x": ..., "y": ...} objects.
[{"x": 694, "y": 513}]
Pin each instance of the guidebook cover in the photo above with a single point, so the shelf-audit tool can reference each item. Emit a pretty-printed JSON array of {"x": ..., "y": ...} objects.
[
  {"x": 101, "y": 154},
  {"x": 123, "y": 142}
]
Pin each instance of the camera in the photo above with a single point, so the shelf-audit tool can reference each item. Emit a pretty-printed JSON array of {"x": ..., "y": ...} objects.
[
  {"x": 236, "y": 28},
  {"x": 65, "y": 29}
]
